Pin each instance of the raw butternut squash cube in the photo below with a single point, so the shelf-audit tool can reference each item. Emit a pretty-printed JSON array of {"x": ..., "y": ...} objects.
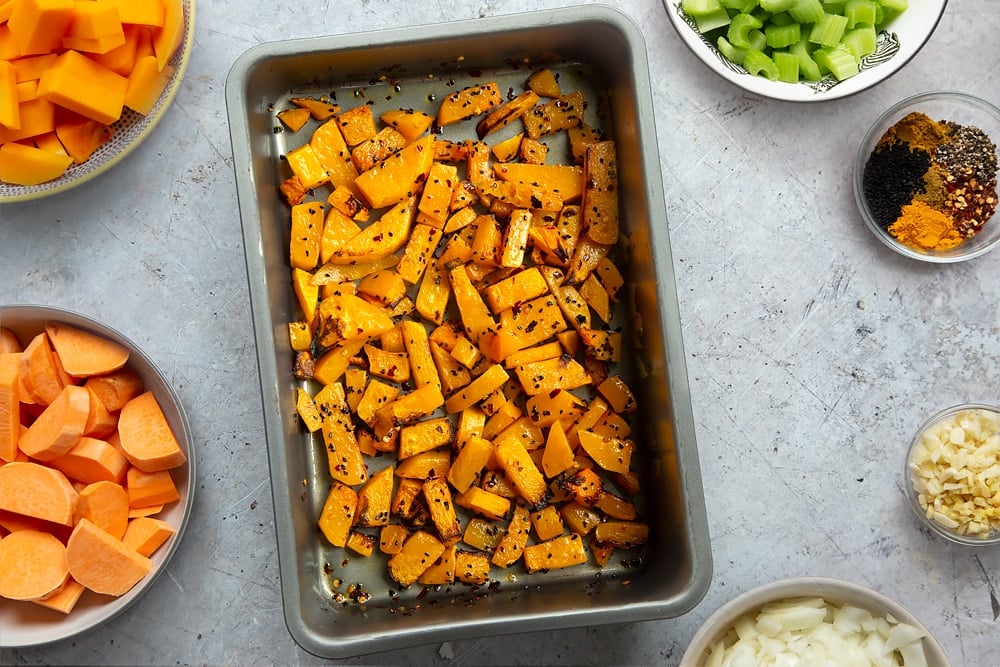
[
  {"x": 9, "y": 110},
  {"x": 399, "y": 176},
  {"x": 141, "y": 12},
  {"x": 38, "y": 26},
  {"x": 468, "y": 102},
  {"x": 338, "y": 513},
  {"x": 37, "y": 117},
  {"x": 408, "y": 122},
  {"x": 441, "y": 507},
  {"x": 167, "y": 39},
  {"x": 81, "y": 137},
  {"x": 84, "y": 86},
  {"x": 442, "y": 572},
  {"x": 560, "y": 552},
  {"x": 472, "y": 568},
  {"x": 27, "y": 165},
  {"x": 419, "y": 552}
]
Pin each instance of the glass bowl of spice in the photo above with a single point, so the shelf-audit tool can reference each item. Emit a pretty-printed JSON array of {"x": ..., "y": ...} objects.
[
  {"x": 925, "y": 179},
  {"x": 953, "y": 474}
]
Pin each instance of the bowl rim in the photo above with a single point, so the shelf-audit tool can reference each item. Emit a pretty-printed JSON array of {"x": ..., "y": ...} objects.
[
  {"x": 793, "y": 92},
  {"x": 949, "y": 257},
  {"x": 911, "y": 495},
  {"x": 57, "y": 186},
  {"x": 37, "y": 315},
  {"x": 830, "y": 589}
]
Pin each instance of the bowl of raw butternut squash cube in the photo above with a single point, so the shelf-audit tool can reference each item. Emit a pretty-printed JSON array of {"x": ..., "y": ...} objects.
[
  {"x": 82, "y": 83},
  {"x": 96, "y": 474}
]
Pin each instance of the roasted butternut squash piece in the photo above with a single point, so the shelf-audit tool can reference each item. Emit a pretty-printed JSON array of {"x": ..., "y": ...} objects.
[
  {"x": 408, "y": 122},
  {"x": 337, "y": 516},
  {"x": 468, "y": 102},
  {"x": 419, "y": 552},
  {"x": 559, "y": 552},
  {"x": 399, "y": 176}
]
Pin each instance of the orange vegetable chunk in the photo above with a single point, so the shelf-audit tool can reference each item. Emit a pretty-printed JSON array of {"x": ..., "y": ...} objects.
[
  {"x": 37, "y": 26},
  {"x": 84, "y": 86},
  {"x": 101, "y": 423},
  {"x": 169, "y": 37},
  {"x": 81, "y": 137},
  {"x": 103, "y": 563},
  {"x": 146, "y": 437},
  {"x": 32, "y": 565},
  {"x": 146, "y": 83},
  {"x": 65, "y": 598},
  {"x": 59, "y": 427},
  {"x": 10, "y": 406},
  {"x": 146, "y": 534},
  {"x": 83, "y": 353},
  {"x": 39, "y": 370},
  {"x": 106, "y": 504},
  {"x": 117, "y": 388},
  {"x": 27, "y": 165},
  {"x": 92, "y": 460},
  {"x": 10, "y": 115},
  {"x": 95, "y": 19},
  {"x": 35, "y": 490},
  {"x": 150, "y": 488},
  {"x": 141, "y": 12}
]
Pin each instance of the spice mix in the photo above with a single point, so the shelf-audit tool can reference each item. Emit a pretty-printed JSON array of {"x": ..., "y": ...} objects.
[{"x": 931, "y": 184}]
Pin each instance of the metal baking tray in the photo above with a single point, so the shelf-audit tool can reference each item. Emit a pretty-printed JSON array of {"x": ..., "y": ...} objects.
[{"x": 601, "y": 52}]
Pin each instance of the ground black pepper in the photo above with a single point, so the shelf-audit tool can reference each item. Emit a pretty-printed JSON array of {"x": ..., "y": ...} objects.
[{"x": 893, "y": 175}]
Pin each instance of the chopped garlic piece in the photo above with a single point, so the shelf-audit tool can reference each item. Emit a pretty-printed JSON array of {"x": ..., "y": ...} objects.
[{"x": 955, "y": 471}]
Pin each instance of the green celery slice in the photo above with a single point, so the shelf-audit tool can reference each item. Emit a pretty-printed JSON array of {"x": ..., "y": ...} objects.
[
  {"x": 858, "y": 12},
  {"x": 861, "y": 41},
  {"x": 777, "y": 5},
  {"x": 807, "y": 11},
  {"x": 757, "y": 40},
  {"x": 890, "y": 10},
  {"x": 781, "y": 19},
  {"x": 788, "y": 66},
  {"x": 739, "y": 29},
  {"x": 741, "y": 6},
  {"x": 710, "y": 22},
  {"x": 808, "y": 67},
  {"x": 696, "y": 8},
  {"x": 758, "y": 63},
  {"x": 778, "y": 37},
  {"x": 838, "y": 60},
  {"x": 731, "y": 52},
  {"x": 828, "y": 30}
]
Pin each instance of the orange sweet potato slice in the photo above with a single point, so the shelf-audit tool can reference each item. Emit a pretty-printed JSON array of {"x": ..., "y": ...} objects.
[
  {"x": 146, "y": 437},
  {"x": 32, "y": 565},
  {"x": 83, "y": 353},
  {"x": 102, "y": 563}
]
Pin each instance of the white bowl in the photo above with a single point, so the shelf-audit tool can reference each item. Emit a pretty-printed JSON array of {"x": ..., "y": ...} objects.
[
  {"x": 129, "y": 131},
  {"x": 897, "y": 44},
  {"x": 24, "y": 624},
  {"x": 833, "y": 591}
]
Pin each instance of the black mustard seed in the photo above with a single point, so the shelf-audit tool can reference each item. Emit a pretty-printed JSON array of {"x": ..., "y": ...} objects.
[{"x": 893, "y": 175}]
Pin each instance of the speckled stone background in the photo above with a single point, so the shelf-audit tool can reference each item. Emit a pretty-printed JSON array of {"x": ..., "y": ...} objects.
[{"x": 813, "y": 351}]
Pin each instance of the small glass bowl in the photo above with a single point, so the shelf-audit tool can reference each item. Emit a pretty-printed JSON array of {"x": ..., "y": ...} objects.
[
  {"x": 993, "y": 538},
  {"x": 939, "y": 106}
]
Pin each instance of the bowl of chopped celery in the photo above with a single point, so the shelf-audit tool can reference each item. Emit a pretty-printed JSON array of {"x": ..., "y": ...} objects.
[
  {"x": 951, "y": 474},
  {"x": 813, "y": 621},
  {"x": 805, "y": 50},
  {"x": 925, "y": 177}
]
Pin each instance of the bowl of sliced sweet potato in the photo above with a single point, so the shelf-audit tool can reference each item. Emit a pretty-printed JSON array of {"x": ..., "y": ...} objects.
[
  {"x": 82, "y": 84},
  {"x": 96, "y": 474}
]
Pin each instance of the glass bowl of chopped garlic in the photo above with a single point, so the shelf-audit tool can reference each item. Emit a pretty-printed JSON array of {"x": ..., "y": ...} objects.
[
  {"x": 925, "y": 179},
  {"x": 953, "y": 474}
]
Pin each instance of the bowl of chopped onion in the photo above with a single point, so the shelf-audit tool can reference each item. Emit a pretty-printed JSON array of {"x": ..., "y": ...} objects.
[
  {"x": 813, "y": 621},
  {"x": 953, "y": 474}
]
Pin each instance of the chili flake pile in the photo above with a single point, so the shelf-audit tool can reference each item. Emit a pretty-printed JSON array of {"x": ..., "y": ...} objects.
[{"x": 932, "y": 184}]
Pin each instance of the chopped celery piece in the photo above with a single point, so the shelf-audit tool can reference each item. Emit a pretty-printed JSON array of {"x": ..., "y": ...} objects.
[
  {"x": 710, "y": 22},
  {"x": 780, "y": 36},
  {"x": 777, "y": 5},
  {"x": 739, "y": 30},
  {"x": 757, "y": 40},
  {"x": 859, "y": 11},
  {"x": 741, "y": 6},
  {"x": 781, "y": 18},
  {"x": 861, "y": 41},
  {"x": 698, "y": 8},
  {"x": 807, "y": 11},
  {"x": 828, "y": 30},
  {"x": 834, "y": 6},
  {"x": 890, "y": 10},
  {"x": 729, "y": 51},
  {"x": 838, "y": 60},
  {"x": 757, "y": 62},
  {"x": 788, "y": 66},
  {"x": 807, "y": 66}
]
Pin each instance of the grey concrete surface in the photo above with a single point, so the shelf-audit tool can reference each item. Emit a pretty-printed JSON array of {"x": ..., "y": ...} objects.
[{"x": 813, "y": 351}]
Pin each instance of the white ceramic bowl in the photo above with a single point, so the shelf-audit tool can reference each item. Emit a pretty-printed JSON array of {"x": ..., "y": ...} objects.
[
  {"x": 24, "y": 624},
  {"x": 129, "y": 131},
  {"x": 938, "y": 106},
  {"x": 957, "y": 536},
  {"x": 833, "y": 591},
  {"x": 897, "y": 44}
]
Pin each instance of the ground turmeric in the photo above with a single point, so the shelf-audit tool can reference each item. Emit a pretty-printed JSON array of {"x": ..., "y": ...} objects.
[
  {"x": 924, "y": 228},
  {"x": 919, "y": 131}
]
